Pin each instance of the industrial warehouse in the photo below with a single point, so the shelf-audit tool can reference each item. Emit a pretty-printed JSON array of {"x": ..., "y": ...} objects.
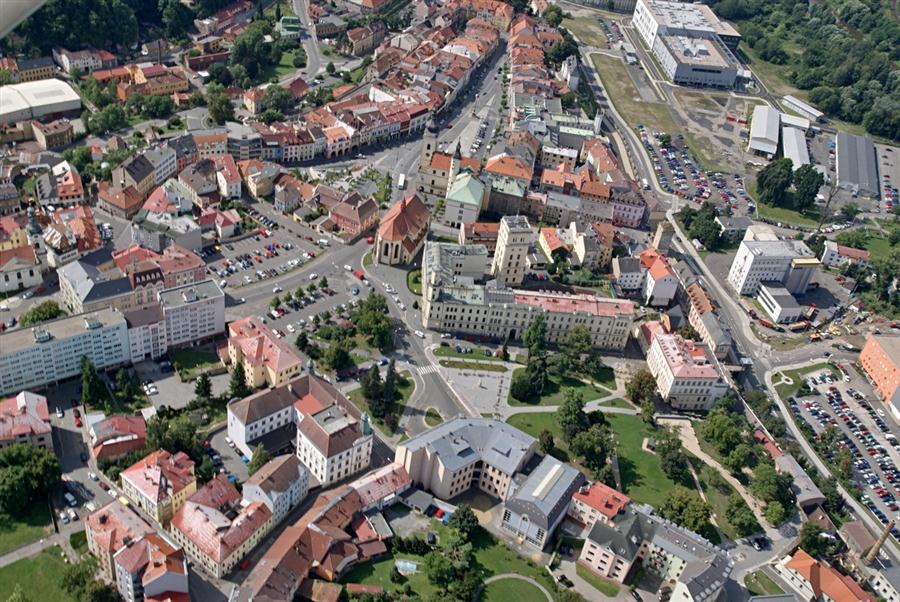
[{"x": 33, "y": 100}]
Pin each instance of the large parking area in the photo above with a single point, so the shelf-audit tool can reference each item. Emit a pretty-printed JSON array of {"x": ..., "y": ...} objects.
[
  {"x": 679, "y": 173},
  {"x": 842, "y": 400},
  {"x": 889, "y": 172}
]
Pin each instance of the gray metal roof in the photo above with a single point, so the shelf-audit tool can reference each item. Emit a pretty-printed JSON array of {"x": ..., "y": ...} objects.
[
  {"x": 544, "y": 494},
  {"x": 189, "y": 293},
  {"x": 714, "y": 328},
  {"x": 793, "y": 141},
  {"x": 806, "y": 491},
  {"x": 462, "y": 441},
  {"x": 90, "y": 282},
  {"x": 856, "y": 163}
]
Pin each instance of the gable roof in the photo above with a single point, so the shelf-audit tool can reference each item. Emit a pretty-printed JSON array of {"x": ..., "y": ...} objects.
[{"x": 407, "y": 218}]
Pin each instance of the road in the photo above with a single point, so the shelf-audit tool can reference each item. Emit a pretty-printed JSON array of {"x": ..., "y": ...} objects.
[{"x": 308, "y": 36}]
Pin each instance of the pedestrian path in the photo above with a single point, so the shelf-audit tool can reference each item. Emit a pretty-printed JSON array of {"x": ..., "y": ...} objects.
[{"x": 429, "y": 369}]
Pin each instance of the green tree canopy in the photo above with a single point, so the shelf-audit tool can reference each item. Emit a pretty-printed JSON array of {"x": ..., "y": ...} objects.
[
  {"x": 571, "y": 415},
  {"x": 42, "y": 312},
  {"x": 259, "y": 459},
  {"x": 685, "y": 508},
  {"x": 773, "y": 182}
]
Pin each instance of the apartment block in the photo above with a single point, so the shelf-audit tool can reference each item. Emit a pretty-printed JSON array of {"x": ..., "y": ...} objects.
[
  {"x": 880, "y": 358},
  {"x": 763, "y": 257},
  {"x": 513, "y": 241},
  {"x": 684, "y": 375},
  {"x": 159, "y": 484}
]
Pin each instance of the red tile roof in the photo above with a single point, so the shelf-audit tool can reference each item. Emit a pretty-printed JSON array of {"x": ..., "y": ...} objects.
[
  {"x": 113, "y": 524},
  {"x": 150, "y": 474},
  {"x": 25, "y": 414},
  {"x": 604, "y": 499},
  {"x": 825, "y": 580},
  {"x": 259, "y": 346},
  {"x": 406, "y": 219}
]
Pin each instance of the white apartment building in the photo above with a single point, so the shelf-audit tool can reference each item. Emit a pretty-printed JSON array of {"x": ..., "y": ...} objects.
[
  {"x": 684, "y": 375},
  {"x": 763, "y": 257},
  {"x": 454, "y": 302},
  {"x": 281, "y": 484},
  {"x": 52, "y": 351},
  {"x": 193, "y": 312},
  {"x": 333, "y": 443},
  {"x": 264, "y": 412},
  {"x": 464, "y": 452},
  {"x": 164, "y": 161},
  {"x": 513, "y": 241}
]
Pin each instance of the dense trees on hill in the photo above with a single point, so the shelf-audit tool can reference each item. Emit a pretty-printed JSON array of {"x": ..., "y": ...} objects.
[{"x": 844, "y": 53}]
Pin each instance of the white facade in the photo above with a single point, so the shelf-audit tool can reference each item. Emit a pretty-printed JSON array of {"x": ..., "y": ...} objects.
[
  {"x": 19, "y": 275},
  {"x": 795, "y": 149},
  {"x": 51, "y": 352},
  {"x": 164, "y": 161},
  {"x": 329, "y": 469},
  {"x": 241, "y": 433},
  {"x": 684, "y": 376},
  {"x": 229, "y": 189},
  {"x": 805, "y": 109},
  {"x": 193, "y": 312},
  {"x": 779, "y": 304},
  {"x": 659, "y": 292},
  {"x": 764, "y": 130},
  {"x": 147, "y": 341},
  {"x": 279, "y": 492},
  {"x": 513, "y": 241},
  {"x": 762, "y": 259}
]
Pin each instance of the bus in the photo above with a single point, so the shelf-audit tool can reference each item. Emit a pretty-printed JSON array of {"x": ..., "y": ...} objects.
[{"x": 401, "y": 181}]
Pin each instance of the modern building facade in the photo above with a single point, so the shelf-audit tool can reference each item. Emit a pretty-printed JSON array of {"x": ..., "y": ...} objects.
[
  {"x": 880, "y": 358},
  {"x": 763, "y": 257},
  {"x": 779, "y": 303}
]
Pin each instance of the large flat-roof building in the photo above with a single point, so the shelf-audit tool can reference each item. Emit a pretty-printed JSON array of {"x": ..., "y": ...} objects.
[
  {"x": 32, "y": 100},
  {"x": 454, "y": 300},
  {"x": 691, "y": 44},
  {"x": 856, "y": 164},
  {"x": 778, "y": 303},
  {"x": 763, "y": 257},
  {"x": 793, "y": 141},
  {"x": 52, "y": 351},
  {"x": 880, "y": 358}
]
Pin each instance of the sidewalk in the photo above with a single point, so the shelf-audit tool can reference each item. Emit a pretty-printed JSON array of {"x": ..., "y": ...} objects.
[{"x": 32, "y": 549}]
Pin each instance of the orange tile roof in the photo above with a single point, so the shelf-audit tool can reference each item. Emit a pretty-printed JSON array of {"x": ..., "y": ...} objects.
[
  {"x": 259, "y": 346},
  {"x": 407, "y": 218},
  {"x": 150, "y": 474},
  {"x": 113, "y": 524},
  {"x": 591, "y": 304},
  {"x": 825, "y": 580},
  {"x": 699, "y": 298},
  {"x": 603, "y": 498},
  {"x": 441, "y": 161},
  {"x": 510, "y": 166}
]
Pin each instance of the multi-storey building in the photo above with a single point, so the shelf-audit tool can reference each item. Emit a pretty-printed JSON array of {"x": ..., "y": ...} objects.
[
  {"x": 159, "y": 484},
  {"x": 763, "y": 257},
  {"x": 25, "y": 419},
  {"x": 597, "y": 502},
  {"x": 164, "y": 160},
  {"x": 880, "y": 358},
  {"x": 281, "y": 484},
  {"x": 217, "y": 528},
  {"x": 462, "y": 453},
  {"x": 684, "y": 375},
  {"x": 636, "y": 536},
  {"x": 52, "y": 351},
  {"x": 513, "y": 242},
  {"x": 811, "y": 579},
  {"x": 454, "y": 302},
  {"x": 108, "y": 530},
  {"x": 151, "y": 568},
  {"x": 265, "y": 359},
  {"x": 137, "y": 172},
  {"x": 192, "y": 312},
  {"x": 334, "y": 441},
  {"x": 53, "y": 134}
]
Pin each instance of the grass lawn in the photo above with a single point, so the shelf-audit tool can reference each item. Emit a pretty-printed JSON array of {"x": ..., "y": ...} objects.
[
  {"x": 368, "y": 259},
  {"x": 379, "y": 573},
  {"x": 414, "y": 282},
  {"x": 477, "y": 354},
  {"x": 618, "y": 403},
  {"x": 510, "y": 589},
  {"x": 553, "y": 396},
  {"x": 624, "y": 95},
  {"x": 433, "y": 417},
  {"x": 39, "y": 576},
  {"x": 797, "y": 376},
  {"x": 642, "y": 478},
  {"x": 787, "y": 216},
  {"x": 78, "y": 541},
  {"x": 761, "y": 584},
  {"x": 602, "y": 585},
  {"x": 405, "y": 388},
  {"x": 535, "y": 422},
  {"x": 476, "y": 366},
  {"x": 190, "y": 363},
  {"x": 25, "y": 529},
  {"x": 587, "y": 31},
  {"x": 717, "y": 496}
]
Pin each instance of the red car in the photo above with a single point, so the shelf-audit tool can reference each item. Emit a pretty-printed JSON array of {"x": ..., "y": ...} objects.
[
  {"x": 245, "y": 564},
  {"x": 104, "y": 486},
  {"x": 78, "y": 422}
]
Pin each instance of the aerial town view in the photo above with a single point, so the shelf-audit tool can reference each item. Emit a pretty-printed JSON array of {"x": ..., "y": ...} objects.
[{"x": 449, "y": 300}]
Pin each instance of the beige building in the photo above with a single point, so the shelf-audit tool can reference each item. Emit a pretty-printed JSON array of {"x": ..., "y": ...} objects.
[
  {"x": 110, "y": 529},
  {"x": 266, "y": 359},
  {"x": 160, "y": 483},
  {"x": 513, "y": 241},
  {"x": 463, "y": 453}
]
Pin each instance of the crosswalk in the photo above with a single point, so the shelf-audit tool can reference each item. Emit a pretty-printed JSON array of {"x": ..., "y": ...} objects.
[{"x": 429, "y": 369}]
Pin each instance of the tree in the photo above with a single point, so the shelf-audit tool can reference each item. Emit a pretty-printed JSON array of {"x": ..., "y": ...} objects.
[
  {"x": 687, "y": 331},
  {"x": 6, "y": 77},
  {"x": 642, "y": 387},
  {"x": 323, "y": 284},
  {"x": 97, "y": 591},
  {"x": 203, "y": 386},
  {"x": 773, "y": 182},
  {"x": 302, "y": 341},
  {"x": 218, "y": 104},
  {"x": 275, "y": 303},
  {"x": 769, "y": 485},
  {"x": 389, "y": 388},
  {"x": 464, "y": 521},
  {"x": 553, "y": 15},
  {"x": 535, "y": 336},
  {"x": 721, "y": 430},
  {"x": 545, "y": 440},
  {"x": 237, "y": 386},
  {"x": 814, "y": 541},
  {"x": 329, "y": 68},
  {"x": 371, "y": 384},
  {"x": 259, "y": 459},
  {"x": 594, "y": 446},
  {"x": 849, "y": 212},
  {"x": 76, "y": 577},
  {"x": 48, "y": 310},
  {"x": 438, "y": 567},
  {"x": 740, "y": 516},
  {"x": 685, "y": 508},
  {"x": 738, "y": 458},
  {"x": 92, "y": 390},
  {"x": 665, "y": 139},
  {"x": 337, "y": 356},
  {"x": 18, "y": 595},
  {"x": 807, "y": 182},
  {"x": 648, "y": 409},
  {"x": 671, "y": 455},
  {"x": 577, "y": 342},
  {"x": 27, "y": 474},
  {"x": 277, "y": 98},
  {"x": 571, "y": 416},
  {"x": 520, "y": 387}
]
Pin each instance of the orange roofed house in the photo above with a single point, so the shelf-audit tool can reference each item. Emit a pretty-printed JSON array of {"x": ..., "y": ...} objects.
[
  {"x": 265, "y": 358},
  {"x": 108, "y": 530},
  {"x": 25, "y": 419},
  {"x": 217, "y": 529},
  {"x": 402, "y": 231},
  {"x": 597, "y": 501},
  {"x": 160, "y": 483},
  {"x": 354, "y": 214},
  {"x": 153, "y": 569},
  {"x": 812, "y": 579}
]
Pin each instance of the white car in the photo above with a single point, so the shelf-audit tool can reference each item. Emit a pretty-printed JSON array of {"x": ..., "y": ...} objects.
[
  {"x": 59, "y": 412},
  {"x": 313, "y": 276},
  {"x": 277, "y": 289},
  {"x": 348, "y": 267},
  {"x": 92, "y": 476},
  {"x": 112, "y": 493},
  {"x": 291, "y": 329},
  {"x": 401, "y": 306},
  {"x": 420, "y": 334}
]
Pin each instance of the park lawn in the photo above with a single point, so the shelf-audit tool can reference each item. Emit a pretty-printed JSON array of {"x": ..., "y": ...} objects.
[
  {"x": 508, "y": 589},
  {"x": 405, "y": 387},
  {"x": 535, "y": 422},
  {"x": 797, "y": 376},
  {"x": 414, "y": 282},
  {"x": 555, "y": 392},
  {"x": 760, "y": 584},
  {"x": 190, "y": 363},
  {"x": 474, "y": 366},
  {"x": 433, "y": 417},
  {"x": 626, "y": 98},
  {"x": 605, "y": 587},
  {"x": 785, "y": 216},
  {"x": 379, "y": 573},
  {"x": 642, "y": 477},
  {"x": 78, "y": 541},
  {"x": 23, "y": 530},
  {"x": 717, "y": 499},
  {"x": 618, "y": 403},
  {"x": 39, "y": 576},
  {"x": 477, "y": 354},
  {"x": 587, "y": 31}
]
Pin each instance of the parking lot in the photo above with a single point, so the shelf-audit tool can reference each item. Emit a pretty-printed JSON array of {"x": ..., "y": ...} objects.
[
  {"x": 842, "y": 400},
  {"x": 889, "y": 172},
  {"x": 679, "y": 173}
]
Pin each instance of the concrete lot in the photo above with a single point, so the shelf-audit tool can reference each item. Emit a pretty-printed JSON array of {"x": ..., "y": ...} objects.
[
  {"x": 888, "y": 172},
  {"x": 172, "y": 392}
]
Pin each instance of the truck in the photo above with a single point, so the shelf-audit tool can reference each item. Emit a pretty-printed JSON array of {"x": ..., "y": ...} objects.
[
  {"x": 799, "y": 326},
  {"x": 401, "y": 181},
  {"x": 815, "y": 336}
]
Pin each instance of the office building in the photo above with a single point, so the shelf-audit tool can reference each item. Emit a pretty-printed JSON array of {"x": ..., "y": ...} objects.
[
  {"x": 778, "y": 303},
  {"x": 513, "y": 241},
  {"x": 880, "y": 359},
  {"x": 462, "y": 453},
  {"x": 857, "y": 165},
  {"x": 637, "y": 537},
  {"x": 454, "y": 301},
  {"x": 685, "y": 377},
  {"x": 52, "y": 351},
  {"x": 763, "y": 257},
  {"x": 192, "y": 312},
  {"x": 159, "y": 484}
]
